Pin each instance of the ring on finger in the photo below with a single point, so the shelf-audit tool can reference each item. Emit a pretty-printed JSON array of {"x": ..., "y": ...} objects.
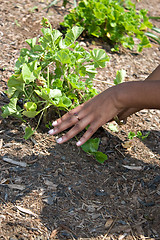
[{"x": 76, "y": 115}]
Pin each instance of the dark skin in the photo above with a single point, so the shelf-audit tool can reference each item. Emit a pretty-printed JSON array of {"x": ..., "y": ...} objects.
[{"x": 121, "y": 100}]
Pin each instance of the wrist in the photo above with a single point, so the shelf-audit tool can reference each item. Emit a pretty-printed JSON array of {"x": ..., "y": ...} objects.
[{"x": 119, "y": 96}]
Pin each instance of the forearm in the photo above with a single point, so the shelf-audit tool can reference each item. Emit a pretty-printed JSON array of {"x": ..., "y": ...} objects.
[{"x": 139, "y": 94}]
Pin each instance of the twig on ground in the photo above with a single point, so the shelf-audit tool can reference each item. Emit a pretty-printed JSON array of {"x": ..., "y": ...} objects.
[{"x": 105, "y": 236}]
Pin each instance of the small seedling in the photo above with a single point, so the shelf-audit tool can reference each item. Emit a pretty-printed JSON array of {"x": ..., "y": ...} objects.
[
  {"x": 91, "y": 147},
  {"x": 139, "y": 135}
]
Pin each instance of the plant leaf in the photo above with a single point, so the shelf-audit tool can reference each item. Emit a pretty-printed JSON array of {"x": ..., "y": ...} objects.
[
  {"x": 28, "y": 133},
  {"x": 27, "y": 74},
  {"x": 72, "y": 35},
  {"x": 16, "y": 81},
  {"x": 63, "y": 56},
  {"x": 47, "y": 93},
  {"x": 30, "y": 106},
  {"x": 30, "y": 114},
  {"x": 120, "y": 76},
  {"x": 91, "y": 146},
  {"x": 100, "y": 157},
  {"x": 31, "y": 42},
  {"x": 100, "y": 57},
  {"x": 113, "y": 127}
]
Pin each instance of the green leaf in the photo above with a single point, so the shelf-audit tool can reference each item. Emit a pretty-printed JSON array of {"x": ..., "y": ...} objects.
[
  {"x": 31, "y": 42},
  {"x": 144, "y": 43},
  {"x": 16, "y": 81},
  {"x": 120, "y": 76},
  {"x": 30, "y": 114},
  {"x": 153, "y": 36},
  {"x": 131, "y": 135},
  {"x": 100, "y": 57},
  {"x": 100, "y": 157},
  {"x": 27, "y": 74},
  {"x": 141, "y": 136},
  {"x": 56, "y": 34},
  {"x": 28, "y": 133},
  {"x": 55, "y": 93},
  {"x": 72, "y": 35},
  {"x": 63, "y": 56},
  {"x": 73, "y": 79},
  {"x": 91, "y": 71},
  {"x": 10, "y": 108},
  {"x": 113, "y": 127},
  {"x": 91, "y": 146},
  {"x": 64, "y": 102},
  {"x": 47, "y": 93},
  {"x": 10, "y": 91},
  {"x": 156, "y": 29},
  {"x": 30, "y": 106}
]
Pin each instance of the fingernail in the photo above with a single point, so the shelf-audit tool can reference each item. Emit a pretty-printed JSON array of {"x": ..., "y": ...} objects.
[
  {"x": 54, "y": 123},
  {"x": 52, "y": 131},
  {"x": 79, "y": 143},
  {"x": 59, "y": 140}
]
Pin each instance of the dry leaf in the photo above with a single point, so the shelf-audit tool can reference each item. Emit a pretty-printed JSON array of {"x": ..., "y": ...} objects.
[
  {"x": 127, "y": 145},
  {"x": 109, "y": 223}
]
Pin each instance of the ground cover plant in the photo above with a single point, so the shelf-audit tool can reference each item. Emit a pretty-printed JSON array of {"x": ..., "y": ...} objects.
[
  {"x": 116, "y": 21},
  {"x": 55, "y": 73}
]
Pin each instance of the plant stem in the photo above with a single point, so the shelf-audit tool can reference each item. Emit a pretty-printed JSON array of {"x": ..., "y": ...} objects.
[
  {"x": 39, "y": 120},
  {"x": 152, "y": 17},
  {"x": 48, "y": 77}
]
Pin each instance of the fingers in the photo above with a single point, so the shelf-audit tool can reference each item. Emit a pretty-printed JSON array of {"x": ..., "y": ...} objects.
[
  {"x": 78, "y": 127},
  {"x": 66, "y": 121},
  {"x": 87, "y": 135},
  {"x": 69, "y": 116}
]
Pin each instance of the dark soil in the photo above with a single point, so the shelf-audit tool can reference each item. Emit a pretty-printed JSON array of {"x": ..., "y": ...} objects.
[{"x": 63, "y": 193}]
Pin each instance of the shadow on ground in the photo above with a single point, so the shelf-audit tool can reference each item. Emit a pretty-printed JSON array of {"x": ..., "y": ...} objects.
[{"x": 71, "y": 194}]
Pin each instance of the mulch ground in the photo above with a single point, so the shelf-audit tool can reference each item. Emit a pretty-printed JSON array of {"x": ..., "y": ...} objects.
[{"x": 56, "y": 191}]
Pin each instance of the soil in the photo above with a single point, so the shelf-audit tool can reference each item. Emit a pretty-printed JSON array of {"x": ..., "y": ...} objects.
[{"x": 58, "y": 191}]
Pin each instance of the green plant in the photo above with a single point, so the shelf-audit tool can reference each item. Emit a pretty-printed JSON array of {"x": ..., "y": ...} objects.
[
  {"x": 55, "y": 73},
  {"x": 91, "y": 147},
  {"x": 120, "y": 76},
  {"x": 139, "y": 135},
  {"x": 117, "y": 21}
]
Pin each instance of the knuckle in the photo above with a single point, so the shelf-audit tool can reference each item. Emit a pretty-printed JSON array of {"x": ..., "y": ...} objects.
[
  {"x": 67, "y": 136},
  {"x": 77, "y": 126},
  {"x": 90, "y": 130}
]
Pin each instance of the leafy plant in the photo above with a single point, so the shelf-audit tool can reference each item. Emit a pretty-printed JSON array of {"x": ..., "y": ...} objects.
[
  {"x": 117, "y": 21},
  {"x": 91, "y": 147},
  {"x": 54, "y": 73},
  {"x": 139, "y": 135}
]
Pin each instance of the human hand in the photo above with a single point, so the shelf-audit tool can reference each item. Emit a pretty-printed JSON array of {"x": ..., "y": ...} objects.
[{"x": 93, "y": 113}]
